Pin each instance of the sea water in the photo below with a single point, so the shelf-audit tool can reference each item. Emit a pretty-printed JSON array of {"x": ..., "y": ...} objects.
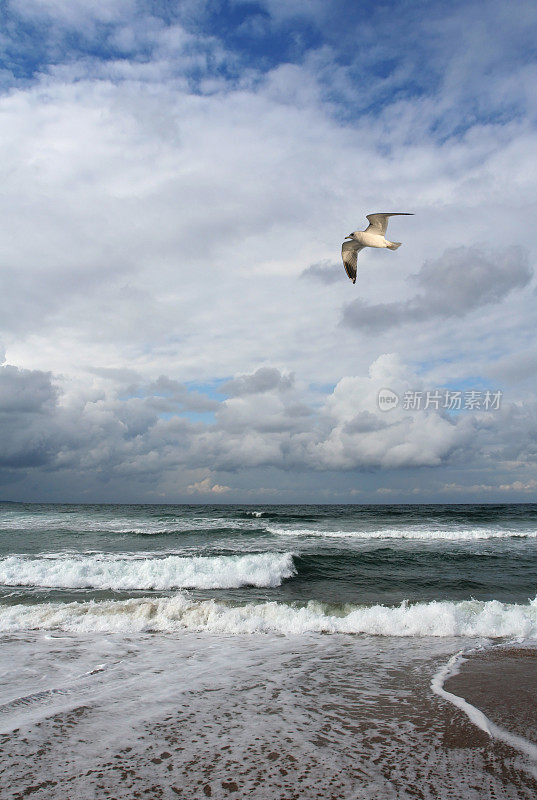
[{"x": 267, "y": 651}]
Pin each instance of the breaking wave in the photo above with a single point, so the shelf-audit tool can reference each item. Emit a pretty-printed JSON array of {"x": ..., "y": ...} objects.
[
  {"x": 105, "y": 571},
  {"x": 490, "y": 619}
]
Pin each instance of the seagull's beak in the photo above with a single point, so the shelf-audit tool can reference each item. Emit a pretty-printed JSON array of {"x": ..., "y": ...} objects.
[{"x": 349, "y": 236}]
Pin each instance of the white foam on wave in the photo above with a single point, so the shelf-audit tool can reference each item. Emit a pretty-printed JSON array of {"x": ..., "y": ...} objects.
[
  {"x": 104, "y": 571},
  {"x": 490, "y": 619},
  {"x": 422, "y": 533},
  {"x": 78, "y": 522}
]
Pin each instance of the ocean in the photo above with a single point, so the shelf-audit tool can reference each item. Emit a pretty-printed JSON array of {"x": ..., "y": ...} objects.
[{"x": 305, "y": 651}]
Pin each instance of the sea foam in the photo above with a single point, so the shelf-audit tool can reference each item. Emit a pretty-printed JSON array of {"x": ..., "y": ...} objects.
[
  {"x": 421, "y": 533},
  {"x": 490, "y": 619},
  {"x": 85, "y": 523},
  {"x": 104, "y": 571}
]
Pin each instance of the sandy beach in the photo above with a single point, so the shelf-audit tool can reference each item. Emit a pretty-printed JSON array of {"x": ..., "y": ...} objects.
[
  {"x": 326, "y": 717},
  {"x": 502, "y": 682}
]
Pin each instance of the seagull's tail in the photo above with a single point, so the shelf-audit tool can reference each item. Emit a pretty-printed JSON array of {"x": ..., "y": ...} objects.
[{"x": 394, "y": 245}]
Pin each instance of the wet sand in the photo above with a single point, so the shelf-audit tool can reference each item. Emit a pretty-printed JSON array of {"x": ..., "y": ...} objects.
[
  {"x": 449, "y": 761},
  {"x": 325, "y": 729},
  {"x": 502, "y": 683}
]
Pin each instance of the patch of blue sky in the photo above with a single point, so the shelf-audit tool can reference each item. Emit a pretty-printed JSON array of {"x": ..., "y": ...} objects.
[
  {"x": 34, "y": 49},
  {"x": 211, "y": 389},
  {"x": 326, "y": 388},
  {"x": 364, "y": 56},
  {"x": 205, "y": 417},
  {"x": 476, "y": 394},
  {"x": 466, "y": 383},
  {"x": 23, "y": 51},
  {"x": 318, "y": 394},
  {"x": 444, "y": 129},
  {"x": 248, "y": 28},
  {"x": 471, "y": 383}
]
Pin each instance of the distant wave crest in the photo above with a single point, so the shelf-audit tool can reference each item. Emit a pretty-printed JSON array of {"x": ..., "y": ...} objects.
[{"x": 422, "y": 533}]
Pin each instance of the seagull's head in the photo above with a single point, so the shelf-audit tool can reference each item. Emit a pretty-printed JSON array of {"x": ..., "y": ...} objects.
[{"x": 350, "y": 236}]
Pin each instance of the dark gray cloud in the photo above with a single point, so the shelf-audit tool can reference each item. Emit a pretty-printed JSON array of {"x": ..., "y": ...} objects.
[
  {"x": 25, "y": 391},
  {"x": 265, "y": 379},
  {"x": 461, "y": 280},
  {"x": 364, "y": 422},
  {"x": 163, "y": 394},
  {"x": 27, "y": 409},
  {"x": 324, "y": 271},
  {"x": 467, "y": 277},
  {"x": 60, "y": 441}
]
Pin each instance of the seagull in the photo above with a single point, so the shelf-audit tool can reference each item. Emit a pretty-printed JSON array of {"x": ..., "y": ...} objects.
[{"x": 373, "y": 236}]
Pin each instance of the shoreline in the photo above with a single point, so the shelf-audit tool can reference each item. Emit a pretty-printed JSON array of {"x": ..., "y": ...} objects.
[
  {"x": 497, "y": 689},
  {"x": 306, "y": 718}
]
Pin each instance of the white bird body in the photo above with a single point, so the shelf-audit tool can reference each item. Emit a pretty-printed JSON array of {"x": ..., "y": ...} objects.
[
  {"x": 366, "y": 239},
  {"x": 373, "y": 236}
]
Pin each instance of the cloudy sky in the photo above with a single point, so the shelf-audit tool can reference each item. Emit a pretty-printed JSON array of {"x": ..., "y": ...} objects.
[{"x": 176, "y": 181}]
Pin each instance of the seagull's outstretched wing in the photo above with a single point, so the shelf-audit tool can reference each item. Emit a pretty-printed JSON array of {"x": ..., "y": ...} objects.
[
  {"x": 349, "y": 254},
  {"x": 378, "y": 223}
]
